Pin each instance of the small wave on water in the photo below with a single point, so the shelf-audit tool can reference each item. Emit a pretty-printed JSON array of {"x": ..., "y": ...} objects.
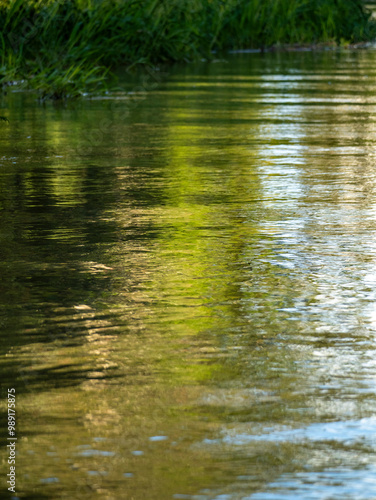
[{"x": 346, "y": 432}]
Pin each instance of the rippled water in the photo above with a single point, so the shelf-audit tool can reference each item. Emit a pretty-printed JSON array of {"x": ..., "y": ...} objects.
[{"x": 188, "y": 273}]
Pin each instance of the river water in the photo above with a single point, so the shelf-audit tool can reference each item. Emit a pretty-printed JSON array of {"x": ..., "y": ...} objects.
[{"x": 188, "y": 284}]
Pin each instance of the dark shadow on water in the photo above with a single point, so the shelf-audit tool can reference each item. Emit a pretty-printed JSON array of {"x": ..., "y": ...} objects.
[{"x": 25, "y": 379}]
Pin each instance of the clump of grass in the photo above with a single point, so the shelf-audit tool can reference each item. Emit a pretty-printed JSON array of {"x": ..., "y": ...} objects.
[
  {"x": 271, "y": 22},
  {"x": 59, "y": 81},
  {"x": 64, "y": 48}
]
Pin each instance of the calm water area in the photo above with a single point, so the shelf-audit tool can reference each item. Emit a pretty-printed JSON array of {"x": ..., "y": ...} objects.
[{"x": 188, "y": 284}]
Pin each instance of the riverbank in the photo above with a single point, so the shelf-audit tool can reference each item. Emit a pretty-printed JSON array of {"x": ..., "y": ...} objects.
[{"x": 65, "y": 49}]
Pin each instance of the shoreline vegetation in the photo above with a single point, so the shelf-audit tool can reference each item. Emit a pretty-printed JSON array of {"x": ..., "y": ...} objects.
[{"x": 70, "y": 48}]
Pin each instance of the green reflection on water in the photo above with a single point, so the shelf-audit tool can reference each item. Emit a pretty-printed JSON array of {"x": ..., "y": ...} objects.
[{"x": 197, "y": 273}]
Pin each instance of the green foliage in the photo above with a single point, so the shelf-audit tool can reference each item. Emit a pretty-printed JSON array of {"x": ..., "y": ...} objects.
[
  {"x": 61, "y": 81},
  {"x": 298, "y": 21},
  {"x": 64, "y": 47}
]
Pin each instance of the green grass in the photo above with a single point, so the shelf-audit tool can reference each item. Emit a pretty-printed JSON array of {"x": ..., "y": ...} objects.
[{"x": 65, "y": 48}]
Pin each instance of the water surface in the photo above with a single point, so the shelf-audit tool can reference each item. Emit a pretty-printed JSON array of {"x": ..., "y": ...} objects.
[{"x": 189, "y": 284}]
